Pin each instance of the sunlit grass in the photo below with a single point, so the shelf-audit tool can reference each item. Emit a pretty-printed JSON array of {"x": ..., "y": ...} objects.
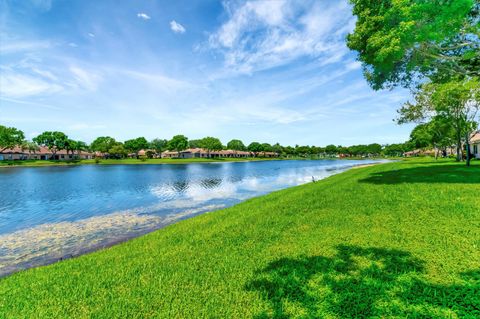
[{"x": 393, "y": 240}]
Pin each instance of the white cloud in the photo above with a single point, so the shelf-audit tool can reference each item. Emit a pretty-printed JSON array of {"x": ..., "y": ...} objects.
[
  {"x": 85, "y": 79},
  {"x": 177, "y": 27},
  {"x": 42, "y": 105},
  {"x": 91, "y": 35},
  {"x": 264, "y": 34},
  {"x": 22, "y": 46},
  {"x": 143, "y": 16},
  {"x": 16, "y": 85},
  {"x": 156, "y": 80},
  {"x": 73, "y": 44}
]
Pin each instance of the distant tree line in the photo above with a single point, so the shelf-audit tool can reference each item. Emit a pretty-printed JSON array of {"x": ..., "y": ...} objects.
[{"x": 109, "y": 147}]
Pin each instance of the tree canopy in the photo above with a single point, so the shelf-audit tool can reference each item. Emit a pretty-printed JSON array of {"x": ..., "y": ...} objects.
[
  {"x": 136, "y": 144},
  {"x": 158, "y": 144},
  {"x": 178, "y": 143},
  {"x": 211, "y": 143},
  {"x": 456, "y": 103},
  {"x": 55, "y": 140},
  {"x": 399, "y": 41},
  {"x": 236, "y": 145},
  {"x": 103, "y": 144},
  {"x": 10, "y": 137},
  {"x": 255, "y": 147}
]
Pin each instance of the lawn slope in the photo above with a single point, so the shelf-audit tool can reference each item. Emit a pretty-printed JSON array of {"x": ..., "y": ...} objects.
[{"x": 393, "y": 240}]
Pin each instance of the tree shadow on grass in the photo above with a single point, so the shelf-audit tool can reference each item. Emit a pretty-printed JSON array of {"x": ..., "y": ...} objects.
[
  {"x": 360, "y": 283},
  {"x": 427, "y": 174}
]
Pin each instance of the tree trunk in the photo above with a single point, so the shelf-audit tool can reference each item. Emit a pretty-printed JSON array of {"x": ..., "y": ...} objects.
[
  {"x": 468, "y": 149},
  {"x": 459, "y": 148}
]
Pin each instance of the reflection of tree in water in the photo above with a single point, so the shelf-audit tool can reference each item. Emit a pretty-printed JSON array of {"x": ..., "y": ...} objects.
[
  {"x": 210, "y": 182},
  {"x": 180, "y": 186},
  {"x": 362, "y": 282}
]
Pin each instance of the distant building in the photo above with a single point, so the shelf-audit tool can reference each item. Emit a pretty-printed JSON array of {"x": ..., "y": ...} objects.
[
  {"x": 43, "y": 153},
  {"x": 475, "y": 144},
  {"x": 203, "y": 153}
]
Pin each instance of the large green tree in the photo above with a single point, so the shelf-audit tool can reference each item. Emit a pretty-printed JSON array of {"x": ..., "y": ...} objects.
[
  {"x": 255, "y": 147},
  {"x": 438, "y": 133},
  {"x": 136, "y": 144},
  {"x": 211, "y": 144},
  {"x": 178, "y": 143},
  {"x": 456, "y": 102},
  {"x": 158, "y": 144},
  {"x": 236, "y": 145},
  {"x": 31, "y": 147},
  {"x": 331, "y": 149},
  {"x": 55, "y": 141},
  {"x": 103, "y": 144},
  {"x": 10, "y": 137},
  {"x": 117, "y": 150},
  {"x": 400, "y": 41}
]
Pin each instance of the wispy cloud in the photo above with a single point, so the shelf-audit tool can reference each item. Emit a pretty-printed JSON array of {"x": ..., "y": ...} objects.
[
  {"x": 177, "y": 27},
  {"x": 143, "y": 16},
  {"x": 263, "y": 34},
  {"x": 42, "y": 105},
  {"x": 85, "y": 79},
  {"x": 156, "y": 80},
  {"x": 91, "y": 35},
  {"x": 14, "y": 85},
  {"x": 9, "y": 46}
]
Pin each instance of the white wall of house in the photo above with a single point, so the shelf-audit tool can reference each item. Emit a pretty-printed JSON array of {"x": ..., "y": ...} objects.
[{"x": 476, "y": 150}]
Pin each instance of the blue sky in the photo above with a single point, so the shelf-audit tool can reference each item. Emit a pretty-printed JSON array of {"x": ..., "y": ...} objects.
[{"x": 268, "y": 71}]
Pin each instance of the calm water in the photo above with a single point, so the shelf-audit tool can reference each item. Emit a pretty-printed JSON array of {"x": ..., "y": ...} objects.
[{"x": 49, "y": 213}]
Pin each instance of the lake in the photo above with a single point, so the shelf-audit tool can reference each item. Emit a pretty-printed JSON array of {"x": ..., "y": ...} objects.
[{"x": 51, "y": 213}]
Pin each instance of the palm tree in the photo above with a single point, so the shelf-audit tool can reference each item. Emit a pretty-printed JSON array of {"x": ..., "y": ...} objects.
[{"x": 32, "y": 147}]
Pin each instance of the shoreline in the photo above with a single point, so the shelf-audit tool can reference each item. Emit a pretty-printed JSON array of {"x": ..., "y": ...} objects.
[
  {"x": 347, "y": 232},
  {"x": 106, "y": 162},
  {"x": 73, "y": 252}
]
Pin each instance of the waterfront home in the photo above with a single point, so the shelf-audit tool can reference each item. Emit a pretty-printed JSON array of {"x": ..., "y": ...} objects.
[
  {"x": 42, "y": 153},
  {"x": 203, "y": 153},
  {"x": 475, "y": 144}
]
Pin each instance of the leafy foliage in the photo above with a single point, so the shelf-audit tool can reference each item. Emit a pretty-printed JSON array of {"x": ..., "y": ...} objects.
[
  {"x": 136, "y": 144},
  {"x": 55, "y": 141},
  {"x": 10, "y": 137},
  {"x": 399, "y": 41},
  {"x": 103, "y": 144},
  {"x": 236, "y": 145},
  {"x": 255, "y": 147},
  {"x": 158, "y": 144},
  {"x": 455, "y": 103},
  {"x": 178, "y": 143},
  {"x": 211, "y": 143}
]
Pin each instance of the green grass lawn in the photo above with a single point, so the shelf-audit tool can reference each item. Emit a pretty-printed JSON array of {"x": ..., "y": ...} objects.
[
  {"x": 393, "y": 240},
  {"x": 128, "y": 161}
]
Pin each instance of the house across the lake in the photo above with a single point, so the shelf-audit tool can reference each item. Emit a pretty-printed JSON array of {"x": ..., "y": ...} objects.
[
  {"x": 42, "y": 153},
  {"x": 203, "y": 153},
  {"x": 475, "y": 144}
]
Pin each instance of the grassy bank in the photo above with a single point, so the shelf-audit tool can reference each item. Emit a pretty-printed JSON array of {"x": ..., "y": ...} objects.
[
  {"x": 392, "y": 240},
  {"x": 128, "y": 161}
]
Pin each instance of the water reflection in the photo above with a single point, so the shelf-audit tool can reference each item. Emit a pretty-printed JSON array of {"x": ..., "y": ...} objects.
[{"x": 52, "y": 212}]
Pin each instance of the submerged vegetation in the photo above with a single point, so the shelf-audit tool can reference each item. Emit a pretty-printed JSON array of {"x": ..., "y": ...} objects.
[{"x": 392, "y": 240}]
